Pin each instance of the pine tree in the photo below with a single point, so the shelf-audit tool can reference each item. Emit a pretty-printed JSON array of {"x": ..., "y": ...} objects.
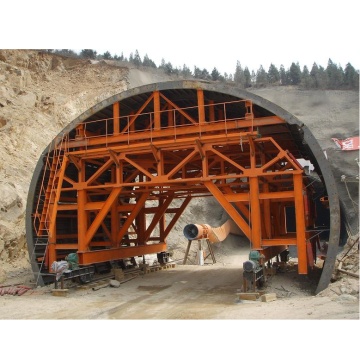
[
  {"x": 215, "y": 75},
  {"x": 186, "y": 72},
  {"x": 282, "y": 74},
  {"x": 247, "y": 78},
  {"x": 66, "y": 52},
  {"x": 261, "y": 77},
  {"x": 351, "y": 77},
  {"x": 137, "y": 59},
  {"x": 162, "y": 64},
  {"x": 305, "y": 78},
  {"x": 273, "y": 74},
  {"x": 168, "y": 68},
  {"x": 239, "y": 77},
  {"x": 107, "y": 55},
  {"x": 148, "y": 62},
  {"x": 295, "y": 74},
  {"x": 318, "y": 77},
  {"x": 205, "y": 75},
  {"x": 88, "y": 54},
  {"x": 197, "y": 72},
  {"x": 334, "y": 76}
]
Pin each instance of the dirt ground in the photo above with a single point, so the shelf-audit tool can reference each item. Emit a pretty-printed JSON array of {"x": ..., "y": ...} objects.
[{"x": 188, "y": 292}]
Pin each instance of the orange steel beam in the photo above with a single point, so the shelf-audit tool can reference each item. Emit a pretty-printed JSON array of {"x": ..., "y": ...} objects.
[
  {"x": 201, "y": 109},
  {"x": 300, "y": 224},
  {"x": 99, "y": 217},
  {"x": 116, "y": 115},
  {"x": 98, "y": 256},
  {"x": 176, "y": 217},
  {"x": 219, "y": 196},
  {"x": 133, "y": 117},
  {"x": 159, "y": 214},
  {"x": 157, "y": 124},
  {"x": 183, "y": 131},
  {"x": 140, "y": 203}
]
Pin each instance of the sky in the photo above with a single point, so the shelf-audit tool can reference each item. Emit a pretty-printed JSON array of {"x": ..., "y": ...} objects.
[{"x": 205, "y": 34}]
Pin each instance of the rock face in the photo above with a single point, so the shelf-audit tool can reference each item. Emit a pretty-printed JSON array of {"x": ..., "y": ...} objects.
[{"x": 41, "y": 93}]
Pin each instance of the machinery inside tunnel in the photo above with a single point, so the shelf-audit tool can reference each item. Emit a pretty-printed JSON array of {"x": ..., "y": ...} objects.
[{"x": 114, "y": 182}]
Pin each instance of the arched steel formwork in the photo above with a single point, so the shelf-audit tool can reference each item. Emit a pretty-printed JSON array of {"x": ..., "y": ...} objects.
[{"x": 171, "y": 141}]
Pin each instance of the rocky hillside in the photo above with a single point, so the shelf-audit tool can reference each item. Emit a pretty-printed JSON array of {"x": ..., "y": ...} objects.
[{"x": 41, "y": 93}]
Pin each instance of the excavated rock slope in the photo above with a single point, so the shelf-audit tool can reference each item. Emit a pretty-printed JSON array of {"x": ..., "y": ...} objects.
[{"x": 41, "y": 93}]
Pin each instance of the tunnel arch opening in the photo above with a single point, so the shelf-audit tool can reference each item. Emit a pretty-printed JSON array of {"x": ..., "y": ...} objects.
[{"x": 179, "y": 140}]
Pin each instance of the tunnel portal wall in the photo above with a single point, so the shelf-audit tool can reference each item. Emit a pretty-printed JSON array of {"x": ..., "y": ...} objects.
[{"x": 309, "y": 142}]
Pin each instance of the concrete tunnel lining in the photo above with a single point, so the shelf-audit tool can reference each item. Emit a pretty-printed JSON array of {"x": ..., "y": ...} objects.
[{"x": 321, "y": 164}]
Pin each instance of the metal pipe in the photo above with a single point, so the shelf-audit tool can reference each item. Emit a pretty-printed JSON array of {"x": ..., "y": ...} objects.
[{"x": 205, "y": 231}]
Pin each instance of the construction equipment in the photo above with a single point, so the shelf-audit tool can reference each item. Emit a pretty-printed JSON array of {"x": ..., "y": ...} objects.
[{"x": 115, "y": 181}]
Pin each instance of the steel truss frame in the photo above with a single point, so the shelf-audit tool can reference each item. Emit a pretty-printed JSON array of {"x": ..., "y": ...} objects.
[{"x": 117, "y": 187}]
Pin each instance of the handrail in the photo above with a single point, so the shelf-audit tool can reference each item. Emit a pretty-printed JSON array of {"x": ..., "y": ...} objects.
[
  {"x": 41, "y": 214},
  {"x": 147, "y": 119}
]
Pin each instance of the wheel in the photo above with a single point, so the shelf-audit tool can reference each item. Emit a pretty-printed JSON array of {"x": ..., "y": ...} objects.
[{"x": 85, "y": 279}]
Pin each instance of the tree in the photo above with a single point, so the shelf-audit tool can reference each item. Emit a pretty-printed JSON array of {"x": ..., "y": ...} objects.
[
  {"x": 186, "y": 72},
  {"x": 318, "y": 77},
  {"x": 295, "y": 74},
  {"x": 107, "y": 55},
  {"x": 88, "y": 54},
  {"x": 305, "y": 78},
  {"x": 205, "y": 75},
  {"x": 166, "y": 67},
  {"x": 162, "y": 64},
  {"x": 314, "y": 76},
  {"x": 215, "y": 75},
  {"x": 334, "y": 76},
  {"x": 282, "y": 74},
  {"x": 66, "y": 52},
  {"x": 197, "y": 72},
  {"x": 148, "y": 62},
  {"x": 239, "y": 77},
  {"x": 137, "y": 59},
  {"x": 131, "y": 57},
  {"x": 351, "y": 77},
  {"x": 261, "y": 77},
  {"x": 273, "y": 74},
  {"x": 247, "y": 77}
]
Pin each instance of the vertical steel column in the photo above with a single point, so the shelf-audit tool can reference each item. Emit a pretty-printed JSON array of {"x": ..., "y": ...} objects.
[
  {"x": 171, "y": 116},
  {"x": 266, "y": 204},
  {"x": 157, "y": 124},
  {"x": 211, "y": 111},
  {"x": 81, "y": 212},
  {"x": 300, "y": 224},
  {"x": 255, "y": 214},
  {"x": 201, "y": 109},
  {"x": 115, "y": 219},
  {"x": 116, "y": 116}
]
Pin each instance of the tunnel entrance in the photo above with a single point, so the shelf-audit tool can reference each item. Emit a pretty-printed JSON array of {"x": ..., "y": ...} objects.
[{"x": 114, "y": 183}]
